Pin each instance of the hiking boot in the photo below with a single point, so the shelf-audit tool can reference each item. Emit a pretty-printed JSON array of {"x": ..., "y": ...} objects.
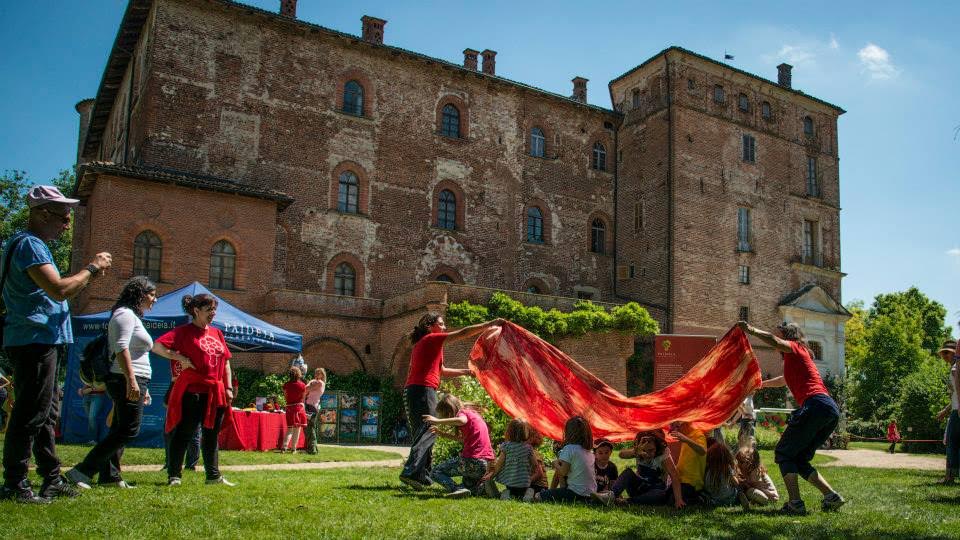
[
  {"x": 220, "y": 480},
  {"x": 78, "y": 479},
  {"x": 22, "y": 495},
  {"x": 794, "y": 508},
  {"x": 832, "y": 502},
  {"x": 461, "y": 493},
  {"x": 173, "y": 481},
  {"x": 59, "y": 487},
  {"x": 603, "y": 497},
  {"x": 416, "y": 485}
]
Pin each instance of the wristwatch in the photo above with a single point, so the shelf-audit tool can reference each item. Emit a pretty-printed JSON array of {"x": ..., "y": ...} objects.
[{"x": 93, "y": 269}]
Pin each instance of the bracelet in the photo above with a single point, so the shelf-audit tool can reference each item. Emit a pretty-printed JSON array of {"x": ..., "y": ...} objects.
[{"x": 93, "y": 269}]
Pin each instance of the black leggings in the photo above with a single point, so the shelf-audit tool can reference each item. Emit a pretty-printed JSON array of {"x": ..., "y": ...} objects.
[
  {"x": 194, "y": 408},
  {"x": 104, "y": 458}
]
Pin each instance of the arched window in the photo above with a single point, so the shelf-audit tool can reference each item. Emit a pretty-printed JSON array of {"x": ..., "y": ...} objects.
[
  {"x": 743, "y": 102},
  {"x": 447, "y": 210},
  {"x": 538, "y": 143},
  {"x": 444, "y": 278},
  {"x": 147, "y": 252},
  {"x": 534, "y": 225},
  {"x": 765, "y": 110},
  {"x": 817, "y": 350},
  {"x": 450, "y": 121},
  {"x": 345, "y": 280},
  {"x": 807, "y": 126},
  {"x": 533, "y": 289},
  {"x": 599, "y": 157},
  {"x": 348, "y": 196},
  {"x": 223, "y": 259},
  {"x": 598, "y": 236},
  {"x": 353, "y": 98}
]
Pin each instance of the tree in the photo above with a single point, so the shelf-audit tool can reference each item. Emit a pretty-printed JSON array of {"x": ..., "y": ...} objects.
[
  {"x": 14, "y": 212},
  {"x": 932, "y": 314}
]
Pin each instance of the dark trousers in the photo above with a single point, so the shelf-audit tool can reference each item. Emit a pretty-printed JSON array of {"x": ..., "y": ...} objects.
[
  {"x": 193, "y": 450},
  {"x": 313, "y": 417},
  {"x": 807, "y": 429},
  {"x": 194, "y": 408},
  {"x": 420, "y": 400},
  {"x": 33, "y": 419},
  {"x": 953, "y": 442},
  {"x": 104, "y": 458},
  {"x": 642, "y": 488}
]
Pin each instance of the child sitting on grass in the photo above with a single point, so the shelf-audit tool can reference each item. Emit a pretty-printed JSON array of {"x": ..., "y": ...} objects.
[
  {"x": 574, "y": 464},
  {"x": 720, "y": 486},
  {"x": 514, "y": 465},
  {"x": 692, "y": 461},
  {"x": 472, "y": 430},
  {"x": 654, "y": 462},
  {"x": 605, "y": 470},
  {"x": 538, "y": 478},
  {"x": 753, "y": 478}
]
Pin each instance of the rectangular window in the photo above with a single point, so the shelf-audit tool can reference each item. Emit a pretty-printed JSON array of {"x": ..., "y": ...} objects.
[
  {"x": 743, "y": 229},
  {"x": 638, "y": 217},
  {"x": 749, "y": 149},
  {"x": 636, "y": 99},
  {"x": 811, "y": 243},
  {"x": 813, "y": 185},
  {"x": 718, "y": 95},
  {"x": 744, "y": 277},
  {"x": 633, "y": 271},
  {"x": 744, "y": 314}
]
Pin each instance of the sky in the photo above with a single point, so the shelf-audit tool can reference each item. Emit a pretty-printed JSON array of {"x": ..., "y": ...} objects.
[{"x": 891, "y": 65}]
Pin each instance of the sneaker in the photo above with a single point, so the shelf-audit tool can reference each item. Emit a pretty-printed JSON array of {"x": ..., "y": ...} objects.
[
  {"x": 604, "y": 497},
  {"x": 121, "y": 484},
  {"x": 832, "y": 502},
  {"x": 59, "y": 487},
  {"x": 505, "y": 495},
  {"x": 22, "y": 495},
  {"x": 461, "y": 493},
  {"x": 220, "y": 480},
  {"x": 744, "y": 500},
  {"x": 794, "y": 508},
  {"x": 413, "y": 483},
  {"x": 78, "y": 479},
  {"x": 528, "y": 495},
  {"x": 173, "y": 481}
]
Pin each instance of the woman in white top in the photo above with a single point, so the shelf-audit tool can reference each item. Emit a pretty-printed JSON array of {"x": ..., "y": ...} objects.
[
  {"x": 315, "y": 389},
  {"x": 130, "y": 344}
]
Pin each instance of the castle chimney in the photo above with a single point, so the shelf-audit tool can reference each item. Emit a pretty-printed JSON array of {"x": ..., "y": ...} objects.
[
  {"x": 470, "y": 59},
  {"x": 373, "y": 29},
  {"x": 288, "y": 8},
  {"x": 580, "y": 89},
  {"x": 784, "y": 75},
  {"x": 84, "y": 107},
  {"x": 489, "y": 62}
]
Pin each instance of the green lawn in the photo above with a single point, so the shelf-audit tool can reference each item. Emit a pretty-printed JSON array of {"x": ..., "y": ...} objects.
[{"x": 368, "y": 503}]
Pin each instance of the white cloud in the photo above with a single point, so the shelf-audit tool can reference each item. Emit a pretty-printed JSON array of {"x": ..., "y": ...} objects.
[
  {"x": 875, "y": 61},
  {"x": 955, "y": 252},
  {"x": 833, "y": 42},
  {"x": 796, "y": 55}
]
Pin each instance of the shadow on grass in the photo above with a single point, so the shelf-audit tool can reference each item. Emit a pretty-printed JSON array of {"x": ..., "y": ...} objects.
[{"x": 944, "y": 499}]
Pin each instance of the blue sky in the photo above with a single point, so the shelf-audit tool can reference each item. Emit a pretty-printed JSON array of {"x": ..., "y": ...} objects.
[{"x": 891, "y": 65}]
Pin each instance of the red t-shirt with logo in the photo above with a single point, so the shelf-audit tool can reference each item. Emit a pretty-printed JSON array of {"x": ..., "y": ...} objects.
[
  {"x": 426, "y": 360},
  {"x": 205, "y": 347},
  {"x": 800, "y": 373}
]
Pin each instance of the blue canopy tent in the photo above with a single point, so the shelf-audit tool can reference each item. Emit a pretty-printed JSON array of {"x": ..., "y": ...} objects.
[{"x": 243, "y": 332}]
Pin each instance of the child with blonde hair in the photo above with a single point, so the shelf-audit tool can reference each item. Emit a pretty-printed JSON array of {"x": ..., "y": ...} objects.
[
  {"x": 471, "y": 464},
  {"x": 720, "y": 484},
  {"x": 514, "y": 466}
]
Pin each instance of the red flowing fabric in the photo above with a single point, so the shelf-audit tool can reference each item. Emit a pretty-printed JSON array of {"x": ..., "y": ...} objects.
[{"x": 531, "y": 379}]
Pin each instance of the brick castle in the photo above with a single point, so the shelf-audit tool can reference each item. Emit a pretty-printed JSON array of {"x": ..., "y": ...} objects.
[{"x": 339, "y": 186}]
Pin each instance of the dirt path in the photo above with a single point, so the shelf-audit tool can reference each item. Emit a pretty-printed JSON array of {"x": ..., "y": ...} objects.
[
  {"x": 401, "y": 452},
  {"x": 875, "y": 459}
]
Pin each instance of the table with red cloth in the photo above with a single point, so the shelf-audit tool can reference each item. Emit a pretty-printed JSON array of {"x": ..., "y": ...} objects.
[{"x": 254, "y": 430}]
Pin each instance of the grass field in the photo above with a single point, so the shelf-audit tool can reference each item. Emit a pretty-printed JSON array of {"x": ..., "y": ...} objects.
[{"x": 368, "y": 503}]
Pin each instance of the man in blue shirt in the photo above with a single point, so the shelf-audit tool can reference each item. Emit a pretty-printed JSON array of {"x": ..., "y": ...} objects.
[{"x": 37, "y": 324}]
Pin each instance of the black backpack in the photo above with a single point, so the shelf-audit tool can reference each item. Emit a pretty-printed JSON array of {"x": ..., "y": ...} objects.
[{"x": 95, "y": 361}]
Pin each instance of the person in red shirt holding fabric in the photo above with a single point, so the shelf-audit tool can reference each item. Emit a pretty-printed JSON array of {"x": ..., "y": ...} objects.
[
  {"x": 810, "y": 425},
  {"x": 203, "y": 391},
  {"x": 293, "y": 392},
  {"x": 420, "y": 391}
]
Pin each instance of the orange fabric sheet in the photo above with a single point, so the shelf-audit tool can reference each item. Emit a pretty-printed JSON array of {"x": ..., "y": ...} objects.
[{"x": 531, "y": 379}]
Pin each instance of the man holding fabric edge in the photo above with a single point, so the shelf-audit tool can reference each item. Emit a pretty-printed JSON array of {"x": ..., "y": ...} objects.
[
  {"x": 37, "y": 324},
  {"x": 810, "y": 425}
]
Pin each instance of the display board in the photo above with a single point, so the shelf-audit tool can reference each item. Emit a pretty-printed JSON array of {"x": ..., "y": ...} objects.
[
  {"x": 349, "y": 418},
  {"x": 675, "y": 354},
  {"x": 370, "y": 417}
]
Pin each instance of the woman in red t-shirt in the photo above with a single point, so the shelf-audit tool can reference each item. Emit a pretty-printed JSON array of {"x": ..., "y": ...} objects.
[
  {"x": 810, "y": 425},
  {"x": 420, "y": 392},
  {"x": 293, "y": 392},
  {"x": 202, "y": 393}
]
